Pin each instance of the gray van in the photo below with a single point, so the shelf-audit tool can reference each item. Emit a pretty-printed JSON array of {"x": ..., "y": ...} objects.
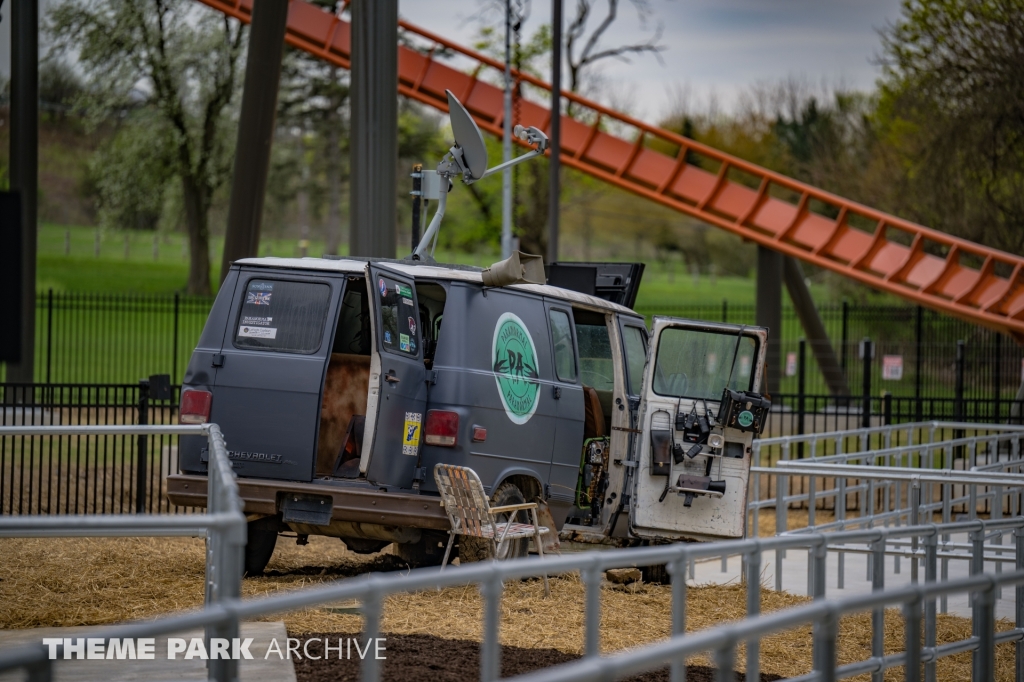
[{"x": 340, "y": 383}]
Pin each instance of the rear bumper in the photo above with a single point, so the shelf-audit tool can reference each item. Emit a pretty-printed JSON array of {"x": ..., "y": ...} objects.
[{"x": 356, "y": 505}]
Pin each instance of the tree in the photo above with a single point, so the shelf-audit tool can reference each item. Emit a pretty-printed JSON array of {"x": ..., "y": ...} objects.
[
  {"x": 182, "y": 61},
  {"x": 952, "y": 113}
]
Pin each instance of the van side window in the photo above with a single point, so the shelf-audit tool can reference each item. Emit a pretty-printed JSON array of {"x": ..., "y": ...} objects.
[
  {"x": 565, "y": 355},
  {"x": 596, "y": 366},
  {"x": 399, "y": 317},
  {"x": 635, "y": 340},
  {"x": 282, "y": 316},
  {"x": 353, "y": 335}
]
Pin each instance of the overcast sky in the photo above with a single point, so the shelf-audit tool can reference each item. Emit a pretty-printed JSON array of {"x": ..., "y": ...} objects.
[{"x": 713, "y": 46}]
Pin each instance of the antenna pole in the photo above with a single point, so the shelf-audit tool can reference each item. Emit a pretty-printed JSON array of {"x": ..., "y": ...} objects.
[
  {"x": 506, "y": 142},
  {"x": 554, "y": 190}
]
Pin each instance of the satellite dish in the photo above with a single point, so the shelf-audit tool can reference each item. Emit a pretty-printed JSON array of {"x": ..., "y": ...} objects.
[{"x": 467, "y": 138}]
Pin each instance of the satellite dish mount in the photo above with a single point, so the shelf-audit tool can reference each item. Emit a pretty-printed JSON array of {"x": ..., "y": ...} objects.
[{"x": 466, "y": 158}]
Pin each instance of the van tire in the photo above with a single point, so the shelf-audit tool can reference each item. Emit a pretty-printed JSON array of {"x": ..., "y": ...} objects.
[
  {"x": 262, "y": 537},
  {"x": 479, "y": 549}
]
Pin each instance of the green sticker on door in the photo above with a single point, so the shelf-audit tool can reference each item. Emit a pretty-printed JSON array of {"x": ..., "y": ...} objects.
[
  {"x": 514, "y": 361},
  {"x": 745, "y": 418}
]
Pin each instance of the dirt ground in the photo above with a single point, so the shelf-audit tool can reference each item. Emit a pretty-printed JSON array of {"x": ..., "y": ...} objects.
[
  {"x": 425, "y": 657},
  {"x": 64, "y": 582}
]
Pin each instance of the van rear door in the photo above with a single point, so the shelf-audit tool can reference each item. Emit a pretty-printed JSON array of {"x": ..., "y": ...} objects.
[
  {"x": 691, "y": 475},
  {"x": 272, "y": 361},
  {"x": 398, "y": 388}
]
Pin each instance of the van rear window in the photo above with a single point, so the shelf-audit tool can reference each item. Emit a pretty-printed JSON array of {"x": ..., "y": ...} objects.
[{"x": 282, "y": 316}]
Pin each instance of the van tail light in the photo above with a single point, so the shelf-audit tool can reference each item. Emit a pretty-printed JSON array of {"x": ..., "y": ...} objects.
[
  {"x": 195, "y": 406},
  {"x": 442, "y": 427}
]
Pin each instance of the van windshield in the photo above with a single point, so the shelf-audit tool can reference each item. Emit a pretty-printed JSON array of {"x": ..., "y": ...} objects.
[
  {"x": 282, "y": 316},
  {"x": 695, "y": 363}
]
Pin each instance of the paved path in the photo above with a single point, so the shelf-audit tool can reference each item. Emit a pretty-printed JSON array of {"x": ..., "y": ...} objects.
[
  {"x": 856, "y": 580},
  {"x": 260, "y": 669}
]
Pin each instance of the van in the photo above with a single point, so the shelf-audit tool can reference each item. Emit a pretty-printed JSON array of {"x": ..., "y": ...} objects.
[{"x": 339, "y": 384}]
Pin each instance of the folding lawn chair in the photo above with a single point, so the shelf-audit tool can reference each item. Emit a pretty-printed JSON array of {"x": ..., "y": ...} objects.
[{"x": 465, "y": 502}]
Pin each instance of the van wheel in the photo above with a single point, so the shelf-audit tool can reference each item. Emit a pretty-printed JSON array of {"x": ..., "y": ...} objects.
[
  {"x": 479, "y": 549},
  {"x": 260, "y": 545},
  {"x": 426, "y": 552}
]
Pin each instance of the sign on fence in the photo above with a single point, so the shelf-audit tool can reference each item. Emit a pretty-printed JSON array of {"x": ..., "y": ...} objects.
[
  {"x": 790, "y": 364},
  {"x": 892, "y": 367}
]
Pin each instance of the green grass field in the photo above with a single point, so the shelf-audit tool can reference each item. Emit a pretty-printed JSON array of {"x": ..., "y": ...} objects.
[{"x": 140, "y": 262}]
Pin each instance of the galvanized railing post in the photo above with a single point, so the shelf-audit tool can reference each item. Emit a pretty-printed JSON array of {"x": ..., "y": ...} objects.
[
  {"x": 1018, "y": 535},
  {"x": 931, "y": 550},
  {"x": 912, "y": 636},
  {"x": 826, "y": 631},
  {"x": 753, "y": 560},
  {"x": 592, "y": 587},
  {"x": 878, "y": 613},
  {"x": 915, "y": 519},
  {"x": 490, "y": 649},
  {"x": 985, "y": 617},
  {"x": 725, "y": 661},
  {"x": 677, "y": 569},
  {"x": 369, "y": 669}
]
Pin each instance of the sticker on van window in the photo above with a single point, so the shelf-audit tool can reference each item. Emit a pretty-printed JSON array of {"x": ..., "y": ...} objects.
[
  {"x": 383, "y": 287},
  {"x": 257, "y": 298},
  {"x": 403, "y": 342},
  {"x": 411, "y": 433},
  {"x": 514, "y": 362},
  {"x": 387, "y": 337},
  {"x": 404, "y": 290},
  {"x": 261, "y": 286},
  {"x": 258, "y": 332},
  {"x": 412, "y": 325},
  {"x": 256, "y": 321}
]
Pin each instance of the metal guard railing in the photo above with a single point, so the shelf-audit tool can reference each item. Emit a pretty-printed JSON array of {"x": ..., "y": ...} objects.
[
  {"x": 223, "y": 524},
  {"x": 372, "y": 589}
]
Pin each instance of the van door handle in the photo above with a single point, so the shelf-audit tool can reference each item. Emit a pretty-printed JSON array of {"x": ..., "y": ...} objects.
[{"x": 391, "y": 378}]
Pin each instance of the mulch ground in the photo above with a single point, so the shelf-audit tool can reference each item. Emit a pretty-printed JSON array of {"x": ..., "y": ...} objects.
[{"x": 426, "y": 657}]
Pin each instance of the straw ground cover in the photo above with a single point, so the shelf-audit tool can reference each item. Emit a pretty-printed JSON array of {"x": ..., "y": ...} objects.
[{"x": 64, "y": 582}]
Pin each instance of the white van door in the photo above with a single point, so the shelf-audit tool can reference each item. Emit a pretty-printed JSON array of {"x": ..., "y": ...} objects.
[{"x": 693, "y": 460}]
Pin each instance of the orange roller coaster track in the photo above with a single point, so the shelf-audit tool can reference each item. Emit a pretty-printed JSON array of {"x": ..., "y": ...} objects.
[{"x": 970, "y": 281}]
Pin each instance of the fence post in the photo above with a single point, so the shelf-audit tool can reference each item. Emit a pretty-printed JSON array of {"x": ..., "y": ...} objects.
[
  {"x": 141, "y": 463},
  {"x": 912, "y": 635},
  {"x": 1018, "y": 535},
  {"x": 997, "y": 375},
  {"x": 865, "y": 417},
  {"x": 887, "y": 408},
  {"x": 753, "y": 671},
  {"x": 931, "y": 551},
  {"x": 958, "y": 390},
  {"x": 844, "y": 341},
  {"x": 49, "y": 332},
  {"x": 174, "y": 343},
  {"x": 919, "y": 332},
  {"x": 801, "y": 388}
]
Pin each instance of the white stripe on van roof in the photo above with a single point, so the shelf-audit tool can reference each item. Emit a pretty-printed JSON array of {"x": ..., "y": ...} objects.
[{"x": 430, "y": 271}]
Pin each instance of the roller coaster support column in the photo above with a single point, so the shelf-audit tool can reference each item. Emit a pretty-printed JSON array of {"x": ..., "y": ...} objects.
[
  {"x": 769, "y": 310},
  {"x": 255, "y": 131},
  {"x": 24, "y": 167},
  {"x": 814, "y": 328},
  {"x": 374, "y": 138},
  {"x": 555, "y": 138}
]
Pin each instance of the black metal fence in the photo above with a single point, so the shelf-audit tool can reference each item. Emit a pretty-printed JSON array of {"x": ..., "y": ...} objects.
[
  {"x": 104, "y": 338},
  {"x": 115, "y": 338},
  {"x": 914, "y": 351},
  {"x": 99, "y": 474}
]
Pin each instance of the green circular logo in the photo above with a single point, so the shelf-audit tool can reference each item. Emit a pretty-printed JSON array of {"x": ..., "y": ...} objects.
[
  {"x": 514, "y": 361},
  {"x": 745, "y": 418}
]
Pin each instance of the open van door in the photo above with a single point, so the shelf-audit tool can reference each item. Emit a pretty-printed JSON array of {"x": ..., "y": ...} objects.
[
  {"x": 693, "y": 457},
  {"x": 398, "y": 390}
]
